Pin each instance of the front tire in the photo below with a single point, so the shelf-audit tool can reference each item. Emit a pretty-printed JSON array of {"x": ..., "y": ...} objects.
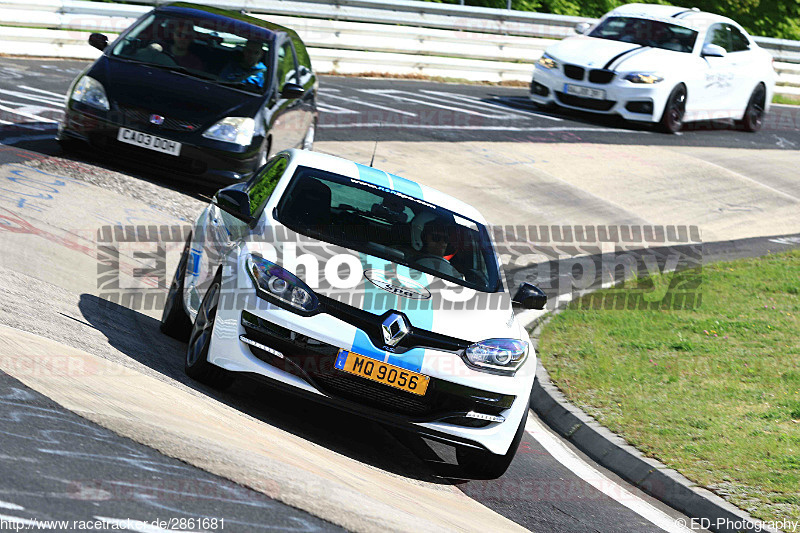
[
  {"x": 196, "y": 364},
  {"x": 674, "y": 110},
  {"x": 753, "y": 118},
  {"x": 174, "y": 320},
  {"x": 483, "y": 464}
]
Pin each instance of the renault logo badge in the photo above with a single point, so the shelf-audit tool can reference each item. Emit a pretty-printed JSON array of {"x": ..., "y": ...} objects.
[{"x": 394, "y": 329}]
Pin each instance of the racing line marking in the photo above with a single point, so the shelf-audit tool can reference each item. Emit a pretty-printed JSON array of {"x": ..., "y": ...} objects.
[
  {"x": 11, "y": 506},
  {"x": 34, "y": 89},
  {"x": 27, "y": 115},
  {"x": 369, "y": 104},
  {"x": 564, "y": 455}
]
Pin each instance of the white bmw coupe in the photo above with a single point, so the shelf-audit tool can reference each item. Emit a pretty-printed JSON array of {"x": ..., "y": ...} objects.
[
  {"x": 362, "y": 290},
  {"x": 661, "y": 64}
]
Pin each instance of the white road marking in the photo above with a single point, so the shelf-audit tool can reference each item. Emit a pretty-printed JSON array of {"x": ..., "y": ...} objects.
[
  {"x": 477, "y": 128},
  {"x": 466, "y": 101},
  {"x": 326, "y": 90},
  {"x": 564, "y": 455},
  {"x": 748, "y": 178},
  {"x": 34, "y": 89},
  {"x": 11, "y": 506},
  {"x": 376, "y": 106},
  {"x": 35, "y": 98},
  {"x": 27, "y": 115},
  {"x": 392, "y": 93},
  {"x": 479, "y": 102},
  {"x": 336, "y": 110},
  {"x": 133, "y": 525}
]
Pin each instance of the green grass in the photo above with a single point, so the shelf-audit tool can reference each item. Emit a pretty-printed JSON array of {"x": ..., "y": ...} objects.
[
  {"x": 785, "y": 99},
  {"x": 713, "y": 392}
]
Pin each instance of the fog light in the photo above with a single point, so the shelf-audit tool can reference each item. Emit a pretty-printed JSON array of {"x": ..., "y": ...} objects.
[{"x": 642, "y": 106}]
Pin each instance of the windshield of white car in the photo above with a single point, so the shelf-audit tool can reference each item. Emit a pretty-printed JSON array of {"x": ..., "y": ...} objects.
[
  {"x": 233, "y": 54},
  {"x": 646, "y": 32},
  {"x": 390, "y": 225}
]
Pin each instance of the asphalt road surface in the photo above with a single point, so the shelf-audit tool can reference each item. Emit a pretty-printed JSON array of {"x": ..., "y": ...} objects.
[
  {"x": 354, "y": 109},
  {"x": 49, "y": 454}
]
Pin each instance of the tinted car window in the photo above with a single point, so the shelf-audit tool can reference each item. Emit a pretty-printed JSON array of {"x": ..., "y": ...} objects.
[
  {"x": 302, "y": 54},
  {"x": 382, "y": 223},
  {"x": 738, "y": 41},
  {"x": 646, "y": 32},
  {"x": 287, "y": 69},
  {"x": 234, "y": 54},
  {"x": 260, "y": 187},
  {"x": 719, "y": 35}
]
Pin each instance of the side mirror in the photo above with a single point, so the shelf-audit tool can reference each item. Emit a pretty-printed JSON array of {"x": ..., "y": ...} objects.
[
  {"x": 530, "y": 297},
  {"x": 292, "y": 91},
  {"x": 234, "y": 202},
  {"x": 99, "y": 41},
  {"x": 712, "y": 50},
  {"x": 582, "y": 27}
]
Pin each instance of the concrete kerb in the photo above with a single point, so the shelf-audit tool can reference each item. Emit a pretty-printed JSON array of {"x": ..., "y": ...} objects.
[{"x": 614, "y": 453}]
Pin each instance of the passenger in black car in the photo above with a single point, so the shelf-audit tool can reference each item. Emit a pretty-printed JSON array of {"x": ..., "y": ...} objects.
[{"x": 248, "y": 68}]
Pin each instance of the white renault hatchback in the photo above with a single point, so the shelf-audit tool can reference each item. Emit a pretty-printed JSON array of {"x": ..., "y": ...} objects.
[
  {"x": 661, "y": 64},
  {"x": 362, "y": 290}
]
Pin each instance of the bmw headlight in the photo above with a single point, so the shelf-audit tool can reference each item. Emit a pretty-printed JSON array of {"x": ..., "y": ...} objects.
[
  {"x": 547, "y": 62},
  {"x": 280, "y": 286},
  {"x": 90, "y": 92},
  {"x": 643, "y": 77},
  {"x": 503, "y": 356},
  {"x": 237, "y": 130}
]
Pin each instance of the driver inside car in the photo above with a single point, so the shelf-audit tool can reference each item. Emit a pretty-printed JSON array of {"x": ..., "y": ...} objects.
[{"x": 434, "y": 248}]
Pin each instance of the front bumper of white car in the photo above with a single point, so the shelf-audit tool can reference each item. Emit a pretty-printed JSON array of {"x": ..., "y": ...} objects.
[
  {"x": 298, "y": 353},
  {"x": 632, "y": 101}
]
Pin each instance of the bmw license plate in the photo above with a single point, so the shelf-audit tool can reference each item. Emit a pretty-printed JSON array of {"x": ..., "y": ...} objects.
[
  {"x": 151, "y": 142},
  {"x": 586, "y": 92},
  {"x": 387, "y": 374}
]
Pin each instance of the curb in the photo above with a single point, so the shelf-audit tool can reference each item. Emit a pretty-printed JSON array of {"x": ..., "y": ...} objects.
[{"x": 614, "y": 453}]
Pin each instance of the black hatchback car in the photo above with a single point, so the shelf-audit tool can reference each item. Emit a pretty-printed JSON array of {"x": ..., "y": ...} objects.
[{"x": 200, "y": 93}]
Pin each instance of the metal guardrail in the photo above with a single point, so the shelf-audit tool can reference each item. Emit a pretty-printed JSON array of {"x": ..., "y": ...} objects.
[{"x": 349, "y": 36}]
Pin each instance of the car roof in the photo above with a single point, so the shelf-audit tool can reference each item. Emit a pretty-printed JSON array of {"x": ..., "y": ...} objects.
[
  {"x": 681, "y": 16},
  {"x": 219, "y": 15},
  {"x": 381, "y": 178}
]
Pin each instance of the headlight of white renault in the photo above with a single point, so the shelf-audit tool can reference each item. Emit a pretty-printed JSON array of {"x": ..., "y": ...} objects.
[
  {"x": 547, "y": 62},
  {"x": 643, "y": 77},
  {"x": 281, "y": 286},
  {"x": 237, "y": 130},
  {"x": 90, "y": 92},
  {"x": 501, "y": 356}
]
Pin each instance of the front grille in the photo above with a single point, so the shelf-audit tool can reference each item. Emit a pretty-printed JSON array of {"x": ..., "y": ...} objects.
[
  {"x": 135, "y": 116},
  {"x": 573, "y": 71},
  {"x": 314, "y": 360},
  {"x": 376, "y": 395},
  {"x": 601, "y": 76},
  {"x": 585, "y": 103}
]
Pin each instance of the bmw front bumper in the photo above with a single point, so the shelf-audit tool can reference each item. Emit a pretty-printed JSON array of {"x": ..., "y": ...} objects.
[{"x": 631, "y": 101}]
